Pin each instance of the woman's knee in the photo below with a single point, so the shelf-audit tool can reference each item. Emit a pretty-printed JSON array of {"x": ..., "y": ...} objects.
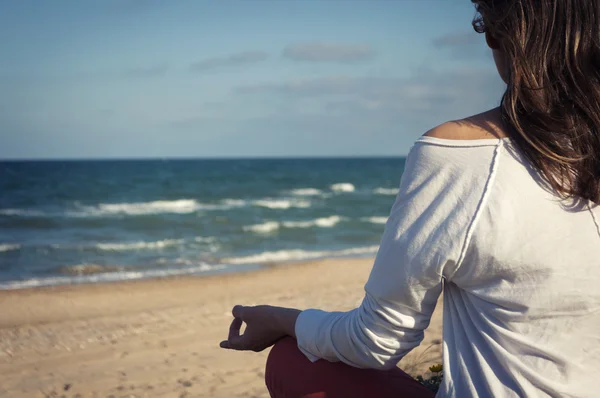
[
  {"x": 281, "y": 365},
  {"x": 280, "y": 354}
]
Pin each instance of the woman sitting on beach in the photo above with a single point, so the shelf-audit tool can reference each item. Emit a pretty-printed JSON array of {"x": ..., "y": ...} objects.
[{"x": 498, "y": 211}]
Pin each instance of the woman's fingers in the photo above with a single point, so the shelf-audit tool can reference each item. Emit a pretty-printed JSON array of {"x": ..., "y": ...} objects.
[
  {"x": 234, "y": 329},
  {"x": 234, "y": 334},
  {"x": 235, "y": 344},
  {"x": 236, "y": 341},
  {"x": 234, "y": 338},
  {"x": 224, "y": 344}
]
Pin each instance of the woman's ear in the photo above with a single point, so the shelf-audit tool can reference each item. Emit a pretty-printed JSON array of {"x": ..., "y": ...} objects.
[{"x": 491, "y": 41}]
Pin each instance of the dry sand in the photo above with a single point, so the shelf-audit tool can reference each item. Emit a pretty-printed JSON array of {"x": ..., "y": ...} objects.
[{"x": 159, "y": 338}]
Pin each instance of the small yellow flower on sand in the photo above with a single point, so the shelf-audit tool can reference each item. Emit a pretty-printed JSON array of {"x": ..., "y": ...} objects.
[{"x": 436, "y": 368}]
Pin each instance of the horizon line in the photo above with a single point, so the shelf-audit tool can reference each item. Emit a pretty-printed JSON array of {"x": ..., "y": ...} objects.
[{"x": 168, "y": 158}]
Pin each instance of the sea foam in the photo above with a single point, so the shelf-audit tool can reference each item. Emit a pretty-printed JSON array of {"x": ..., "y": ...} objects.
[
  {"x": 264, "y": 228},
  {"x": 6, "y": 247},
  {"x": 323, "y": 222},
  {"x": 21, "y": 212},
  {"x": 161, "y": 244},
  {"x": 110, "y": 276},
  {"x": 87, "y": 269},
  {"x": 385, "y": 191},
  {"x": 375, "y": 220},
  {"x": 343, "y": 187},
  {"x": 298, "y": 255},
  {"x": 179, "y": 206},
  {"x": 205, "y": 239},
  {"x": 271, "y": 226},
  {"x": 281, "y": 203}
]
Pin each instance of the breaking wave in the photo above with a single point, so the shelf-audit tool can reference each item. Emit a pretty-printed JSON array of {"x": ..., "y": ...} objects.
[
  {"x": 265, "y": 228},
  {"x": 109, "y": 276},
  {"x": 385, "y": 191},
  {"x": 88, "y": 269},
  {"x": 180, "y": 206},
  {"x": 343, "y": 187},
  {"x": 161, "y": 244},
  {"x": 281, "y": 203},
  {"x": 299, "y": 255},
  {"x": 375, "y": 220},
  {"x": 6, "y": 247},
  {"x": 323, "y": 222},
  {"x": 270, "y": 226},
  {"x": 21, "y": 212}
]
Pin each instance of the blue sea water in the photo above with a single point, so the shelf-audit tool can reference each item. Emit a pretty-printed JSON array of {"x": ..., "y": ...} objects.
[{"x": 65, "y": 222}]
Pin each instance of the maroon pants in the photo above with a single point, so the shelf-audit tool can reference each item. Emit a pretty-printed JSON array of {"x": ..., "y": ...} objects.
[{"x": 290, "y": 374}]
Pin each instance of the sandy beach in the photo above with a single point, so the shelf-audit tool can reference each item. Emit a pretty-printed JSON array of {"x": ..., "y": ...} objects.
[{"x": 160, "y": 338}]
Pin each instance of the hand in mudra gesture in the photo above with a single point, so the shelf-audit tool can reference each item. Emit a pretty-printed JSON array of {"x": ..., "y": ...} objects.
[{"x": 265, "y": 325}]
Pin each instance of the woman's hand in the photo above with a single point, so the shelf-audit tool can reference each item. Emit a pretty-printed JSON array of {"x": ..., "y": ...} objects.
[{"x": 265, "y": 325}]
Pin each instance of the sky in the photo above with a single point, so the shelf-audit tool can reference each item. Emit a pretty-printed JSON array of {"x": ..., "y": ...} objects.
[{"x": 249, "y": 78}]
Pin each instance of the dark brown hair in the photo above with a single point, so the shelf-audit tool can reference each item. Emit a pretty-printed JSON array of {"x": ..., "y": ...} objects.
[{"x": 551, "y": 106}]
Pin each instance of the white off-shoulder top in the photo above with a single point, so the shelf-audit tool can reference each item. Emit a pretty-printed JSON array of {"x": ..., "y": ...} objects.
[{"x": 519, "y": 269}]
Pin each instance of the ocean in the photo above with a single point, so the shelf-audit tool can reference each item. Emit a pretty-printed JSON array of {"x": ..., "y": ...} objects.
[{"x": 65, "y": 222}]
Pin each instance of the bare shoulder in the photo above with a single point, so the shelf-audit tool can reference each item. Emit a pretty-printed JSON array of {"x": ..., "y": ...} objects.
[{"x": 486, "y": 125}]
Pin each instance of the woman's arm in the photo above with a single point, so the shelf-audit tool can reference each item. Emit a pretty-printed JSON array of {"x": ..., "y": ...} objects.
[{"x": 424, "y": 243}]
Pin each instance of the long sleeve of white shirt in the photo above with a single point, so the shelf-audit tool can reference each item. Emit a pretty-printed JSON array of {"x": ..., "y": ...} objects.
[
  {"x": 519, "y": 272},
  {"x": 427, "y": 229}
]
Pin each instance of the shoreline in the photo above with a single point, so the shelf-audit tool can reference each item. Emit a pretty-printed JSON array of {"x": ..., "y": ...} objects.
[
  {"x": 155, "y": 337},
  {"x": 133, "y": 274}
]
